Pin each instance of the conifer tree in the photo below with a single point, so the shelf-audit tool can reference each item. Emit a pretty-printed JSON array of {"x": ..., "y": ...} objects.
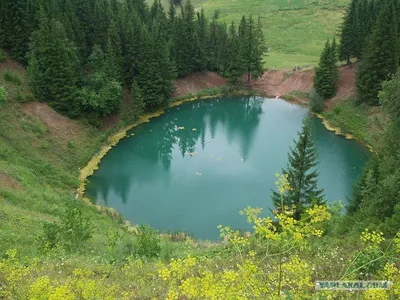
[
  {"x": 156, "y": 70},
  {"x": 349, "y": 46},
  {"x": 326, "y": 74},
  {"x": 13, "y": 27},
  {"x": 114, "y": 52},
  {"x": 53, "y": 66},
  {"x": 252, "y": 48},
  {"x": 381, "y": 57},
  {"x": 234, "y": 69},
  {"x": 302, "y": 176}
]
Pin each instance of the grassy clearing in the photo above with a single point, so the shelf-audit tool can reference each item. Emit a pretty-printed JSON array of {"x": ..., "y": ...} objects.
[
  {"x": 364, "y": 122},
  {"x": 295, "y": 30}
]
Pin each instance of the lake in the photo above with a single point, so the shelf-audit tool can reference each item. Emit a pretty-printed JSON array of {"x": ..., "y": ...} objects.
[{"x": 199, "y": 164}]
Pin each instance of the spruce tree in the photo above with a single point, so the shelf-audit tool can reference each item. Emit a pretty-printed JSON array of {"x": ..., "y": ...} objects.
[
  {"x": 53, "y": 66},
  {"x": 252, "y": 48},
  {"x": 234, "y": 69},
  {"x": 302, "y": 175},
  {"x": 13, "y": 27},
  {"x": 381, "y": 57},
  {"x": 349, "y": 35},
  {"x": 114, "y": 54},
  {"x": 326, "y": 74}
]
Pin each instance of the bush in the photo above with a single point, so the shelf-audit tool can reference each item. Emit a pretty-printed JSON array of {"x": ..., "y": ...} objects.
[
  {"x": 148, "y": 243},
  {"x": 12, "y": 77},
  {"x": 72, "y": 231},
  {"x": 317, "y": 102},
  {"x": 3, "y": 56},
  {"x": 3, "y": 94}
]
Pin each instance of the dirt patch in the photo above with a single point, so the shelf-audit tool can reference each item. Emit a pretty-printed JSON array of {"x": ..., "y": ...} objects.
[
  {"x": 60, "y": 127},
  {"x": 12, "y": 65},
  {"x": 280, "y": 83},
  {"x": 8, "y": 182},
  {"x": 193, "y": 83}
]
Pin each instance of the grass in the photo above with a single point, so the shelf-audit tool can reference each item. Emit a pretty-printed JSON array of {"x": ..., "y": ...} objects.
[
  {"x": 39, "y": 172},
  {"x": 295, "y": 30},
  {"x": 364, "y": 122}
]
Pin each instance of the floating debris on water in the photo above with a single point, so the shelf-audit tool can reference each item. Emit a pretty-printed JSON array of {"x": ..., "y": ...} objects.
[
  {"x": 193, "y": 153},
  {"x": 198, "y": 173},
  {"x": 194, "y": 129},
  {"x": 181, "y": 128}
]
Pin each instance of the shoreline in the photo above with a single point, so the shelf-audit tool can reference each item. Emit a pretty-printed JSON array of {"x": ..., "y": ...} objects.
[{"x": 114, "y": 139}]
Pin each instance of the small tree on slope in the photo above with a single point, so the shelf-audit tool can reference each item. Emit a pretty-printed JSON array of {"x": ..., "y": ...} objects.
[
  {"x": 326, "y": 74},
  {"x": 301, "y": 174}
]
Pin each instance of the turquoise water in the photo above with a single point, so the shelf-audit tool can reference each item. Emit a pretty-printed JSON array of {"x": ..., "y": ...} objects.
[{"x": 199, "y": 164}]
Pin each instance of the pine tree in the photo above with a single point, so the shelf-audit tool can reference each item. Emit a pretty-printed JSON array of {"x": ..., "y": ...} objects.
[
  {"x": 326, "y": 74},
  {"x": 252, "y": 48},
  {"x": 349, "y": 36},
  {"x": 156, "y": 69},
  {"x": 13, "y": 27},
  {"x": 113, "y": 52},
  {"x": 53, "y": 66},
  {"x": 381, "y": 57},
  {"x": 302, "y": 176},
  {"x": 234, "y": 69}
]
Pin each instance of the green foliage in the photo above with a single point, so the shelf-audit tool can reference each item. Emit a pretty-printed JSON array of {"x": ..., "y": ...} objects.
[
  {"x": 3, "y": 95},
  {"x": 12, "y": 77},
  {"x": 301, "y": 176},
  {"x": 71, "y": 233},
  {"x": 100, "y": 95},
  {"x": 327, "y": 74},
  {"x": 3, "y": 56},
  {"x": 53, "y": 66},
  {"x": 148, "y": 242},
  {"x": 316, "y": 102},
  {"x": 380, "y": 58}
]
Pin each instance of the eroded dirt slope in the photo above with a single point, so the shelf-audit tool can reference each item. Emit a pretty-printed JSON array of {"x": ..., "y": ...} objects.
[{"x": 280, "y": 83}]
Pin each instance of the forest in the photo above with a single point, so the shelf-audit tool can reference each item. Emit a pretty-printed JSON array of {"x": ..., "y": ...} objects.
[
  {"x": 81, "y": 55},
  {"x": 92, "y": 59}
]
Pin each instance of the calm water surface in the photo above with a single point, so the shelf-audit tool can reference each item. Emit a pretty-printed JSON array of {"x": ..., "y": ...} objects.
[{"x": 199, "y": 164}]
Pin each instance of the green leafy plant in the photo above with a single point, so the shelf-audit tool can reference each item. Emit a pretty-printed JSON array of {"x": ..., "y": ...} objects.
[
  {"x": 148, "y": 243},
  {"x": 12, "y": 77},
  {"x": 72, "y": 231},
  {"x": 316, "y": 102},
  {"x": 3, "y": 56},
  {"x": 3, "y": 94}
]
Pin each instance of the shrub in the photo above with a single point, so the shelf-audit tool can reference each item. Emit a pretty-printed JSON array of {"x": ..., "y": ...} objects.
[
  {"x": 12, "y": 77},
  {"x": 316, "y": 102},
  {"x": 72, "y": 232},
  {"x": 3, "y": 94},
  {"x": 3, "y": 56},
  {"x": 148, "y": 243}
]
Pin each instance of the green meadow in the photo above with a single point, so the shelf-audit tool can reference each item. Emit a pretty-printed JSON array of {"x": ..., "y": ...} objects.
[{"x": 295, "y": 30}]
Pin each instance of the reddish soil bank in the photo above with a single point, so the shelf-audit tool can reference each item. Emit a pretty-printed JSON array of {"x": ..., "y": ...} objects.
[
  {"x": 193, "y": 83},
  {"x": 60, "y": 127},
  {"x": 280, "y": 83}
]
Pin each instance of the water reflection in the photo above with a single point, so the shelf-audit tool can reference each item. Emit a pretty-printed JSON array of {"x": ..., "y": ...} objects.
[{"x": 198, "y": 165}]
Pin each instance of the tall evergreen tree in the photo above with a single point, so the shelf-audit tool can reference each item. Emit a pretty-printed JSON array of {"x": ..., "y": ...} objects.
[
  {"x": 14, "y": 32},
  {"x": 350, "y": 33},
  {"x": 252, "y": 48},
  {"x": 326, "y": 74},
  {"x": 53, "y": 66},
  {"x": 381, "y": 56},
  {"x": 302, "y": 176}
]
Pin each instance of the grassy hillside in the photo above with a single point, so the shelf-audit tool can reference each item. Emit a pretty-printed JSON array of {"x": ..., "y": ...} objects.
[
  {"x": 40, "y": 156},
  {"x": 295, "y": 30}
]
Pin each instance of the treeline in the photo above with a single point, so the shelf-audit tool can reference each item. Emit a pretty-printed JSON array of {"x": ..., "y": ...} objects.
[
  {"x": 370, "y": 33},
  {"x": 81, "y": 54}
]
